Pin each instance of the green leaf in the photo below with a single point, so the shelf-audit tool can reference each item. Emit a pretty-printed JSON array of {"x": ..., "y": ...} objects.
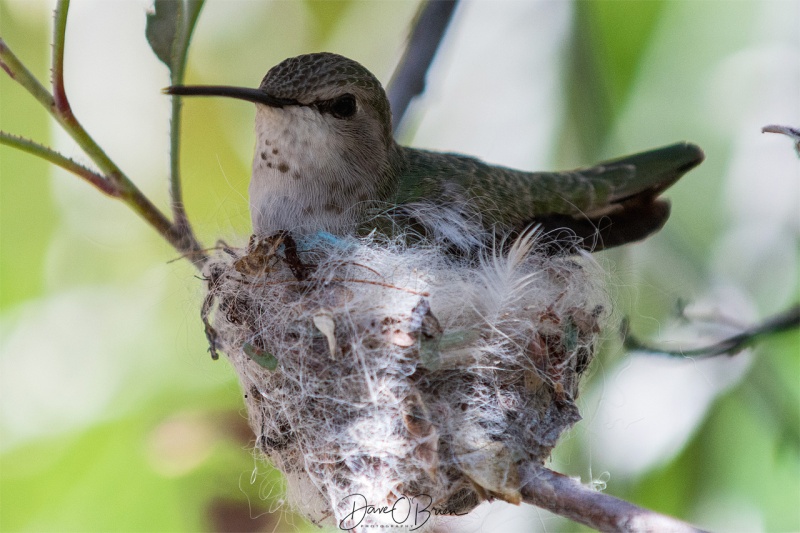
[
  {"x": 162, "y": 29},
  {"x": 606, "y": 50},
  {"x": 169, "y": 29},
  {"x": 619, "y": 54},
  {"x": 262, "y": 357}
]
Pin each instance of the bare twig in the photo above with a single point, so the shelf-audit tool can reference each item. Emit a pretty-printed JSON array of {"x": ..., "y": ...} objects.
[
  {"x": 567, "y": 497},
  {"x": 56, "y": 158},
  {"x": 111, "y": 180},
  {"x": 785, "y": 321},
  {"x": 190, "y": 13},
  {"x": 409, "y": 77},
  {"x": 59, "y": 38},
  {"x": 20, "y": 74},
  {"x": 62, "y": 111},
  {"x": 792, "y": 133}
]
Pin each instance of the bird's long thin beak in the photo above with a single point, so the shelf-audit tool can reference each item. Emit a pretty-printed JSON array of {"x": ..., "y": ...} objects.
[{"x": 242, "y": 93}]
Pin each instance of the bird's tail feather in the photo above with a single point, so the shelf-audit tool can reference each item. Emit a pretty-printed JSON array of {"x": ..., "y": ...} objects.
[{"x": 655, "y": 170}]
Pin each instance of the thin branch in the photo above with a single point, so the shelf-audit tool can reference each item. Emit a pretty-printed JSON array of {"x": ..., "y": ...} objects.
[
  {"x": 175, "y": 190},
  {"x": 789, "y": 319},
  {"x": 113, "y": 182},
  {"x": 59, "y": 38},
  {"x": 58, "y": 105},
  {"x": 190, "y": 12},
  {"x": 128, "y": 192},
  {"x": 62, "y": 111},
  {"x": 19, "y": 73},
  {"x": 567, "y": 497},
  {"x": 56, "y": 158},
  {"x": 792, "y": 133},
  {"x": 409, "y": 77}
]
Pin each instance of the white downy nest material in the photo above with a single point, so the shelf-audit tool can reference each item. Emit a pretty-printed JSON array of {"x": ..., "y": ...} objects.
[{"x": 400, "y": 373}]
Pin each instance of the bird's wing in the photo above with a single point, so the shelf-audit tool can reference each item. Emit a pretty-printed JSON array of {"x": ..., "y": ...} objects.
[{"x": 605, "y": 205}]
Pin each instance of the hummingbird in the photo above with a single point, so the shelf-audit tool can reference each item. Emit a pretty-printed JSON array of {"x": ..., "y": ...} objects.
[{"x": 326, "y": 159}]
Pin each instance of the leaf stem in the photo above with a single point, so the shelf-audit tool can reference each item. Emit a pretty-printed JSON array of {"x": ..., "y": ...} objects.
[
  {"x": 59, "y": 38},
  {"x": 128, "y": 192},
  {"x": 190, "y": 13},
  {"x": 175, "y": 189},
  {"x": 62, "y": 111},
  {"x": 113, "y": 181},
  {"x": 57, "y": 159},
  {"x": 19, "y": 73}
]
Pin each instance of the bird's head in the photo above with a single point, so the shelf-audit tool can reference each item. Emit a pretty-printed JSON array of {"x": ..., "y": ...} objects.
[
  {"x": 324, "y": 147},
  {"x": 324, "y": 91}
]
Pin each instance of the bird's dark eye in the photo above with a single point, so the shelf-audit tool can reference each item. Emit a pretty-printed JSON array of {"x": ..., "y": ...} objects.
[{"x": 342, "y": 106}]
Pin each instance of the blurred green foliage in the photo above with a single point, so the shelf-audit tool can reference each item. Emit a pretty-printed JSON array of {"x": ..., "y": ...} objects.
[
  {"x": 169, "y": 449},
  {"x": 22, "y": 278},
  {"x": 610, "y": 38}
]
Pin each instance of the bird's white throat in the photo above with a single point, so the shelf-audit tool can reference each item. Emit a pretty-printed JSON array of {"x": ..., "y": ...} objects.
[{"x": 302, "y": 180}]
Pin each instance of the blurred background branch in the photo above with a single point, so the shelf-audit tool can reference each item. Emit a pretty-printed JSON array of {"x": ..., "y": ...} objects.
[
  {"x": 792, "y": 133},
  {"x": 427, "y": 33},
  {"x": 785, "y": 321}
]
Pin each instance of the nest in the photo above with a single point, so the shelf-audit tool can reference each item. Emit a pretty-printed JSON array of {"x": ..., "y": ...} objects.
[{"x": 390, "y": 382}]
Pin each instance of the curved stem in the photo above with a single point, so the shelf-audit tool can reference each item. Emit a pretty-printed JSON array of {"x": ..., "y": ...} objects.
[
  {"x": 19, "y": 73},
  {"x": 128, "y": 192},
  {"x": 785, "y": 321},
  {"x": 567, "y": 497},
  {"x": 56, "y": 158},
  {"x": 62, "y": 111},
  {"x": 175, "y": 189},
  {"x": 113, "y": 181},
  {"x": 59, "y": 38},
  {"x": 190, "y": 12}
]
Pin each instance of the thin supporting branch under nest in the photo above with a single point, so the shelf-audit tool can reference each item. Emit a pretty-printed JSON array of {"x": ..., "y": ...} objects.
[{"x": 567, "y": 497}]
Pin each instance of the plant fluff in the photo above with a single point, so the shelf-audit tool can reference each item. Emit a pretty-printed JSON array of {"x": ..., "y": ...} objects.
[{"x": 391, "y": 382}]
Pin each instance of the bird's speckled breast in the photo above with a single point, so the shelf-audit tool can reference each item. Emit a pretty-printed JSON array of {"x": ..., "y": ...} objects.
[{"x": 298, "y": 181}]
